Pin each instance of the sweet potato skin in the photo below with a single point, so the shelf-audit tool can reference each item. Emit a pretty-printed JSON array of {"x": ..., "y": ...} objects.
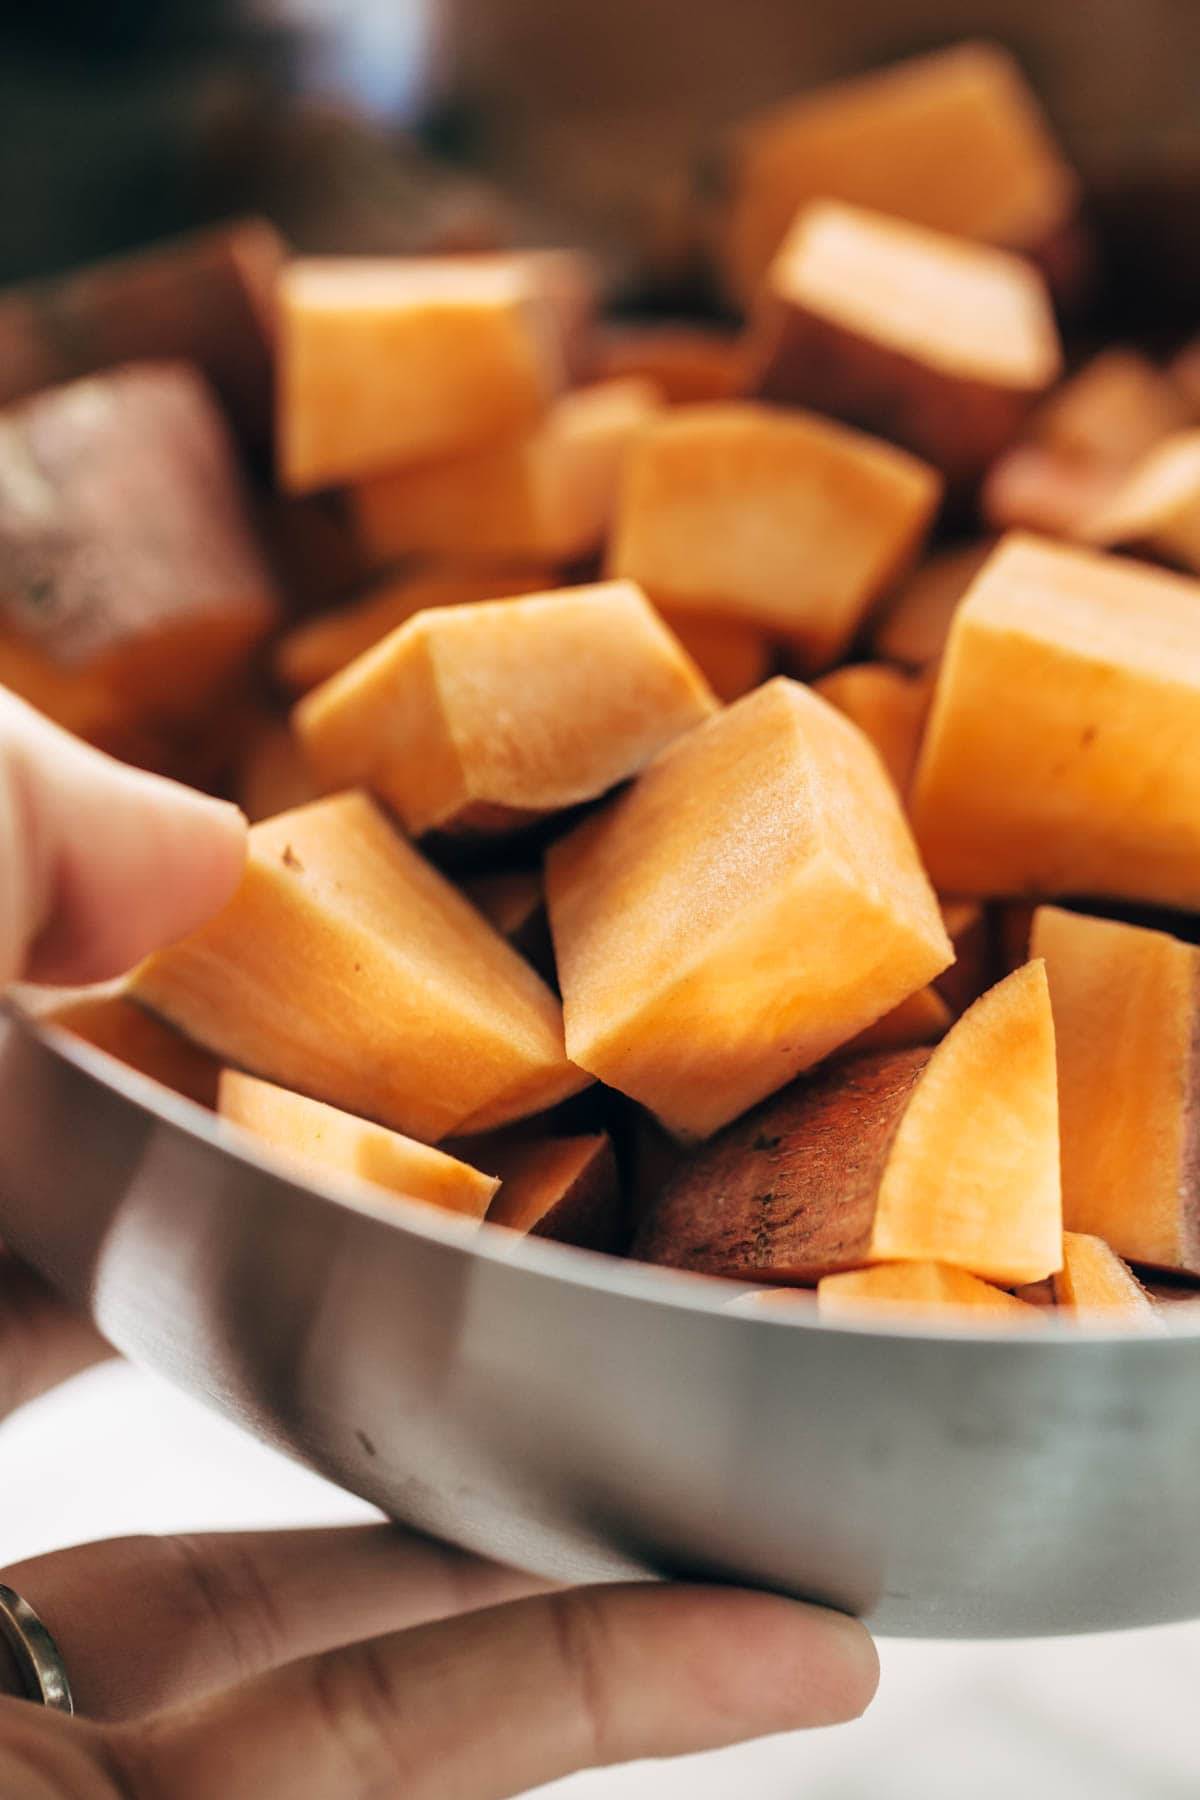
[
  {"x": 578, "y": 1177},
  {"x": 754, "y": 1203}
]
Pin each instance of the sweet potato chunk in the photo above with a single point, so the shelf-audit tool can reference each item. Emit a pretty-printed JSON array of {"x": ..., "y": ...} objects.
[
  {"x": 732, "y": 657},
  {"x": 1157, "y": 510},
  {"x": 749, "y": 904},
  {"x": 917, "y": 1288},
  {"x": 322, "y": 647},
  {"x": 106, "y": 1017},
  {"x": 913, "y": 627},
  {"x": 969, "y": 930},
  {"x": 888, "y": 706},
  {"x": 323, "y": 1137},
  {"x": 1095, "y": 1284},
  {"x": 273, "y": 775},
  {"x": 126, "y": 558},
  {"x": 954, "y": 140},
  {"x": 484, "y": 718},
  {"x": 1053, "y": 759},
  {"x": 347, "y": 968},
  {"x": 546, "y": 496},
  {"x": 921, "y": 1019},
  {"x": 390, "y": 361},
  {"x": 938, "y": 344},
  {"x": 1127, "y": 1011},
  {"x": 1041, "y": 490},
  {"x": 561, "y": 1188},
  {"x": 947, "y": 1155},
  {"x": 783, "y": 521},
  {"x": 689, "y": 364},
  {"x": 513, "y": 900}
]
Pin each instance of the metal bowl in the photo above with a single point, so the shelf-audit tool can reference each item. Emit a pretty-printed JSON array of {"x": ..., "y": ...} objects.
[{"x": 589, "y": 1418}]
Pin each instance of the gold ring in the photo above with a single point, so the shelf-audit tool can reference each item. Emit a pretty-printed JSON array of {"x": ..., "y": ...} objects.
[{"x": 41, "y": 1666}]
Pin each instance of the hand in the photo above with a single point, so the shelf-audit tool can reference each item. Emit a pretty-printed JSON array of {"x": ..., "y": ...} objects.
[{"x": 320, "y": 1665}]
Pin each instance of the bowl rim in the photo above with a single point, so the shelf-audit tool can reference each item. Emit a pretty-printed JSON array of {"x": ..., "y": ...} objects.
[{"x": 623, "y": 1276}]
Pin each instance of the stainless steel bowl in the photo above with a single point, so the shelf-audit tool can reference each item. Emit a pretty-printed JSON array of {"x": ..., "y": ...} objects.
[{"x": 589, "y": 1418}]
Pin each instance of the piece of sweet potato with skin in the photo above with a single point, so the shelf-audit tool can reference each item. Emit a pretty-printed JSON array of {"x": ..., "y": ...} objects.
[
  {"x": 889, "y": 706},
  {"x": 1127, "y": 1008},
  {"x": 385, "y": 992},
  {"x": 560, "y": 1188},
  {"x": 931, "y": 342},
  {"x": 126, "y": 554},
  {"x": 914, "y": 624},
  {"x": 689, "y": 364},
  {"x": 919, "y": 1289},
  {"x": 391, "y": 361},
  {"x": 779, "y": 520},
  {"x": 106, "y": 1017},
  {"x": 946, "y": 1155},
  {"x": 324, "y": 1137},
  {"x": 544, "y": 496},
  {"x": 732, "y": 657},
  {"x": 485, "y": 718},
  {"x": 749, "y": 904},
  {"x": 1053, "y": 761},
  {"x": 953, "y": 140},
  {"x": 322, "y": 647},
  {"x": 1156, "y": 510},
  {"x": 1095, "y": 1284}
]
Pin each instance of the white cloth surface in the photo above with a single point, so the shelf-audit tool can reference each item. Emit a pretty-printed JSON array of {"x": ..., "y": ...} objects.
[{"x": 1103, "y": 1718}]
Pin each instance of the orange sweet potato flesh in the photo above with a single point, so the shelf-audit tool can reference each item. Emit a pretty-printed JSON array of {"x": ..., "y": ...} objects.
[
  {"x": 1034, "y": 489},
  {"x": 918, "y": 1288},
  {"x": 1053, "y": 762},
  {"x": 889, "y": 706},
  {"x": 954, "y": 140},
  {"x": 348, "y": 969},
  {"x": 323, "y": 646},
  {"x": 272, "y": 773},
  {"x": 940, "y": 345},
  {"x": 914, "y": 624},
  {"x": 779, "y": 520},
  {"x": 560, "y": 1188},
  {"x": 107, "y": 1018},
  {"x": 732, "y": 657},
  {"x": 689, "y": 364},
  {"x": 323, "y": 1137},
  {"x": 969, "y": 930},
  {"x": 514, "y": 902},
  {"x": 126, "y": 556},
  {"x": 1094, "y": 1283},
  {"x": 749, "y": 904},
  {"x": 545, "y": 496},
  {"x": 946, "y": 1155},
  {"x": 921, "y": 1019},
  {"x": 1127, "y": 1009},
  {"x": 483, "y": 718},
  {"x": 1157, "y": 509},
  {"x": 386, "y": 362}
]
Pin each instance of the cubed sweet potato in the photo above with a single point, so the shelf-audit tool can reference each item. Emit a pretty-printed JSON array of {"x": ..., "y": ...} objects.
[
  {"x": 1156, "y": 510},
  {"x": 920, "y": 1019},
  {"x": 1054, "y": 759},
  {"x": 749, "y": 904},
  {"x": 1095, "y": 1284},
  {"x": 346, "y": 968},
  {"x": 544, "y": 496},
  {"x": 325, "y": 1138},
  {"x": 126, "y": 555},
  {"x": 485, "y": 718},
  {"x": 1126, "y": 1006},
  {"x": 914, "y": 624},
  {"x": 890, "y": 707},
  {"x": 560, "y": 1188},
  {"x": 918, "y": 1288},
  {"x": 953, "y": 140},
  {"x": 938, "y": 344},
  {"x": 970, "y": 974},
  {"x": 514, "y": 901},
  {"x": 688, "y": 364},
  {"x": 779, "y": 520},
  {"x": 392, "y": 361},
  {"x": 948, "y": 1155}
]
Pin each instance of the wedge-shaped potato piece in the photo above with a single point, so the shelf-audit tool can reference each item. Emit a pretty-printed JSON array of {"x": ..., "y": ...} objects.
[
  {"x": 323, "y": 646},
  {"x": 1095, "y": 1284},
  {"x": 939, "y": 344},
  {"x": 954, "y": 140},
  {"x": 561, "y": 1188},
  {"x": 347, "y": 968},
  {"x": 888, "y": 706},
  {"x": 732, "y": 657},
  {"x": 970, "y": 974},
  {"x": 1157, "y": 510},
  {"x": 1053, "y": 761},
  {"x": 484, "y": 718},
  {"x": 779, "y": 520},
  {"x": 126, "y": 556},
  {"x": 324, "y": 1137},
  {"x": 1035, "y": 489},
  {"x": 1127, "y": 1013},
  {"x": 546, "y": 496},
  {"x": 386, "y": 361},
  {"x": 688, "y": 364},
  {"x": 514, "y": 901},
  {"x": 920, "y": 1288},
  {"x": 947, "y": 1155},
  {"x": 106, "y": 1017},
  {"x": 748, "y": 905},
  {"x": 921, "y": 1019},
  {"x": 913, "y": 627}
]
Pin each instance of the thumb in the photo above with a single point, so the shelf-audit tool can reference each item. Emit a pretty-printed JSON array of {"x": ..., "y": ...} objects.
[{"x": 99, "y": 863}]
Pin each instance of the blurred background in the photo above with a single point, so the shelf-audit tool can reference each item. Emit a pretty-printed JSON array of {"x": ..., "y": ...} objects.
[{"x": 384, "y": 125}]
